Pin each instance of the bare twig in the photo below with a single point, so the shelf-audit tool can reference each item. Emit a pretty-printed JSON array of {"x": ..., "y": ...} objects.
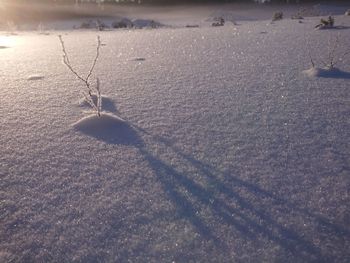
[
  {"x": 96, "y": 57},
  {"x": 333, "y": 57},
  {"x": 309, "y": 53},
  {"x": 99, "y": 98},
  {"x": 88, "y": 95}
]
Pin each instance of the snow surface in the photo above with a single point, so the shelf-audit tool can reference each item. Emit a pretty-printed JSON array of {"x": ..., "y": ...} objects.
[{"x": 227, "y": 151}]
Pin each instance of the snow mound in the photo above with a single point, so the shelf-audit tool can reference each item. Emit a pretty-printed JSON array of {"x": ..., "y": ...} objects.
[
  {"x": 108, "y": 128},
  {"x": 326, "y": 73},
  {"x": 107, "y": 103},
  {"x": 35, "y": 77}
]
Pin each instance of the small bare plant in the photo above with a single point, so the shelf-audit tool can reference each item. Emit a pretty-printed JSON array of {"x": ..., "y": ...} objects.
[
  {"x": 333, "y": 57},
  {"x": 219, "y": 21},
  {"x": 88, "y": 92},
  {"x": 277, "y": 16},
  {"x": 326, "y": 23}
]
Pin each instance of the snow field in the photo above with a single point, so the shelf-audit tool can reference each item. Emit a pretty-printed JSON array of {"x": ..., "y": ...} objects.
[{"x": 227, "y": 152}]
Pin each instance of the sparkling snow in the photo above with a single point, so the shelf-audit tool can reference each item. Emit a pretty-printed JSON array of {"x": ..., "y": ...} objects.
[{"x": 226, "y": 151}]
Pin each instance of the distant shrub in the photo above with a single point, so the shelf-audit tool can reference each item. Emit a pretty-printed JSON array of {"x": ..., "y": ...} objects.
[
  {"x": 219, "y": 21},
  {"x": 91, "y": 24},
  {"x": 89, "y": 95},
  {"x": 329, "y": 21},
  {"x": 100, "y": 25},
  {"x": 153, "y": 24},
  {"x": 123, "y": 23},
  {"x": 146, "y": 23},
  {"x": 326, "y": 23},
  {"x": 119, "y": 24},
  {"x": 277, "y": 16},
  {"x": 87, "y": 24}
]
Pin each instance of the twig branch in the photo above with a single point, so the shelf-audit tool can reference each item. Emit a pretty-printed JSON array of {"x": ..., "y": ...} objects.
[
  {"x": 332, "y": 58},
  {"x": 309, "y": 53},
  {"x": 331, "y": 54},
  {"x": 97, "y": 106},
  {"x": 96, "y": 57}
]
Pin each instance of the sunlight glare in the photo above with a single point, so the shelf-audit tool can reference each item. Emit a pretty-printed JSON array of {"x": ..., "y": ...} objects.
[{"x": 9, "y": 41}]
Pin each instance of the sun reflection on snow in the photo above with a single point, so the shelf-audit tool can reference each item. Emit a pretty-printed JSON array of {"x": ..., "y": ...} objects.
[{"x": 7, "y": 41}]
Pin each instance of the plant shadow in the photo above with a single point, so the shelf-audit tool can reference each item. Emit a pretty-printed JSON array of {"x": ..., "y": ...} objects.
[
  {"x": 109, "y": 129},
  {"x": 340, "y": 27},
  {"x": 230, "y": 202},
  {"x": 335, "y": 74}
]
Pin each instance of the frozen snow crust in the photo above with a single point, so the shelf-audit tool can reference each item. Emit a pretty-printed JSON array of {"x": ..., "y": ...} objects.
[{"x": 226, "y": 151}]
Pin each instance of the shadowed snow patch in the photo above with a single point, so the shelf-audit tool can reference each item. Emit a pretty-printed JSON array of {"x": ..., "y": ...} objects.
[
  {"x": 107, "y": 103},
  {"x": 3, "y": 47},
  {"x": 35, "y": 77},
  {"x": 327, "y": 73},
  {"x": 332, "y": 27},
  {"x": 108, "y": 128}
]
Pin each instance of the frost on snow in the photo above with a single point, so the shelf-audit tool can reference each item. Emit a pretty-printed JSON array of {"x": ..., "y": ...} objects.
[{"x": 225, "y": 152}]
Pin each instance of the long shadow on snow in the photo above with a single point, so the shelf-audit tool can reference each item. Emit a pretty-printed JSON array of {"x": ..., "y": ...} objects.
[
  {"x": 335, "y": 28},
  {"x": 236, "y": 210},
  {"x": 228, "y": 199},
  {"x": 210, "y": 172},
  {"x": 111, "y": 130},
  {"x": 335, "y": 74}
]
